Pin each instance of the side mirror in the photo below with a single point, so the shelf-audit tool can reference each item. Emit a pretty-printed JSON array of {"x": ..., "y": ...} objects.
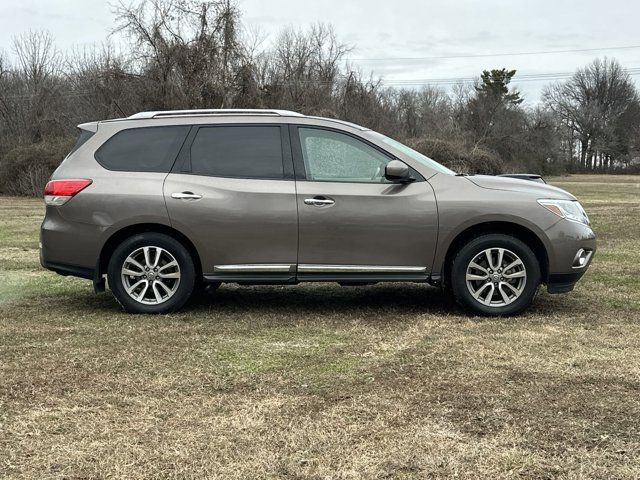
[{"x": 397, "y": 171}]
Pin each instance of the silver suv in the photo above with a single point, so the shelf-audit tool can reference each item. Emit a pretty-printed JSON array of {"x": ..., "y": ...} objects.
[{"x": 161, "y": 204}]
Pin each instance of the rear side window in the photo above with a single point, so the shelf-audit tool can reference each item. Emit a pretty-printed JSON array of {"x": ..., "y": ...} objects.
[
  {"x": 82, "y": 138},
  {"x": 238, "y": 152},
  {"x": 149, "y": 149}
]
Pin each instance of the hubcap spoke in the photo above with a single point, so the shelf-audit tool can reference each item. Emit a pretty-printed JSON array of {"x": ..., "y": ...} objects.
[
  {"x": 472, "y": 276},
  {"x": 500, "y": 257},
  {"x": 156, "y": 292},
  {"x": 164, "y": 287},
  {"x": 135, "y": 285},
  {"x": 169, "y": 275},
  {"x": 478, "y": 267},
  {"x": 140, "y": 296},
  {"x": 504, "y": 295},
  {"x": 489, "y": 255},
  {"x": 478, "y": 293},
  {"x": 147, "y": 256},
  {"x": 131, "y": 273},
  {"x": 489, "y": 296},
  {"x": 518, "y": 274},
  {"x": 172, "y": 263},
  {"x": 136, "y": 264},
  {"x": 512, "y": 288},
  {"x": 513, "y": 264}
]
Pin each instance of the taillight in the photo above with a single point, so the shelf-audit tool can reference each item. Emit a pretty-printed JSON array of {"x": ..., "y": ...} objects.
[{"x": 59, "y": 192}]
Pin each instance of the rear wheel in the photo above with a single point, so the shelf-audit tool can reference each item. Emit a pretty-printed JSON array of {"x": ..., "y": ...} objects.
[
  {"x": 495, "y": 274},
  {"x": 151, "y": 273}
]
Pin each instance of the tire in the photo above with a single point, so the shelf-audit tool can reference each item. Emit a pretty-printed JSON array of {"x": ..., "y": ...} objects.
[
  {"x": 479, "y": 283},
  {"x": 169, "y": 284}
]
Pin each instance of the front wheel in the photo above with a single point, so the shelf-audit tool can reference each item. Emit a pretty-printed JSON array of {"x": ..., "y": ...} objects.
[
  {"x": 495, "y": 275},
  {"x": 151, "y": 273}
]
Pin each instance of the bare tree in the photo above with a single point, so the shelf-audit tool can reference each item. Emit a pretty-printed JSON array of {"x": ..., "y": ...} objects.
[
  {"x": 592, "y": 104},
  {"x": 30, "y": 90},
  {"x": 188, "y": 52}
]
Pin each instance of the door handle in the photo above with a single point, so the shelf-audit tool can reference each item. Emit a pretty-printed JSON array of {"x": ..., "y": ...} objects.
[
  {"x": 186, "y": 196},
  {"x": 319, "y": 201}
]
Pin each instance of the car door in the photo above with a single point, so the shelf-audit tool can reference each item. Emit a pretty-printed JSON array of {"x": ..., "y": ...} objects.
[
  {"x": 351, "y": 219},
  {"x": 232, "y": 192}
]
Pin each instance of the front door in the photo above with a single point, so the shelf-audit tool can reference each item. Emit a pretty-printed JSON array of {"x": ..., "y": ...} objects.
[
  {"x": 232, "y": 191},
  {"x": 352, "y": 221}
]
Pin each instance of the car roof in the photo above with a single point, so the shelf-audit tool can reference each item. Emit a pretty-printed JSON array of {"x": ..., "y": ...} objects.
[{"x": 229, "y": 112}]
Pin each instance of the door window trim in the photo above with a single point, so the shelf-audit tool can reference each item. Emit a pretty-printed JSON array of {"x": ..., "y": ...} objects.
[
  {"x": 298, "y": 159},
  {"x": 183, "y": 162}
]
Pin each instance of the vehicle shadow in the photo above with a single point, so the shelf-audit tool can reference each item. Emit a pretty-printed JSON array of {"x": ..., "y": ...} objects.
[
  {"x": 389, "y": 301},
  {"x": 327, "y": 298}
]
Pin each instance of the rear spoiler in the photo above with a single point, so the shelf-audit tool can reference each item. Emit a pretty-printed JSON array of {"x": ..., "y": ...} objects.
[
  {"x": 89, "y": 126},
  {"x": 525, "y": 176}
]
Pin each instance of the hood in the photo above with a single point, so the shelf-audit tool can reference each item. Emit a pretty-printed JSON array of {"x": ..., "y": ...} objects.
[{"x": 541, "y": 190}]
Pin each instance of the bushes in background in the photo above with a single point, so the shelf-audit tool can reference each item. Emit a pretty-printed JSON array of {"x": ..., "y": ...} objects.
[
  {"x": 459, "y": 157},
  {"x": 25, "y": 169}
]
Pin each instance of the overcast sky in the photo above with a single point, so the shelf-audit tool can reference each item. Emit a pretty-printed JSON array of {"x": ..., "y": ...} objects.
[{"x": 399, "y": 29}]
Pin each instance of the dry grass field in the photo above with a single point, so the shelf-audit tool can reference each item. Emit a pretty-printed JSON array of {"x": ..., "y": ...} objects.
[{"x": 320, "y": 381}]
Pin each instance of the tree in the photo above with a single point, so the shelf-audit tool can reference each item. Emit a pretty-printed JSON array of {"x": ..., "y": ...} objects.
[
  {"x": 495, "y": 85},
  {"x": 188, "y": 52},
  {"x": 597, "y": 106},
  {"x": 493, "y": 114}
]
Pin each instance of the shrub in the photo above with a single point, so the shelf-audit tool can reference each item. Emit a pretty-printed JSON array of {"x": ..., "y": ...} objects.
[
  {"x": 25, "y": 169},
  {"x": 459, "y": 157}
]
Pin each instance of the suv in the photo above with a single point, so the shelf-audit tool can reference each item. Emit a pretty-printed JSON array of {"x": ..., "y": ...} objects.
[{"x": 160, "y": 204}]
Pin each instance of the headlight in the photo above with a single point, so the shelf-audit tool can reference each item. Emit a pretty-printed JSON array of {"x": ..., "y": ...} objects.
[{"x": 569, "y": 209}]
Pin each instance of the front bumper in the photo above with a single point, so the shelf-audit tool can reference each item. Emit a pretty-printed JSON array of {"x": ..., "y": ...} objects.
[
  {"x": 573, "y": 246},
  {"x": 563, "y": 282}
]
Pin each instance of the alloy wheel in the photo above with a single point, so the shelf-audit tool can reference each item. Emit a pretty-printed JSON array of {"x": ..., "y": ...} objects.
[
  {"x": 496, "y": 277},
  {"x": 150, "y": 275}
]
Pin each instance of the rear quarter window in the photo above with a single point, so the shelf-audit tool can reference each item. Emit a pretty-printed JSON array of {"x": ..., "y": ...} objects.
[
  {"x": 83, "y": 136},
  {"x": 146, "y": 149}
]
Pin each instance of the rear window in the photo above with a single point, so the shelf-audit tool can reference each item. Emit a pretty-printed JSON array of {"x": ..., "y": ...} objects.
[
  {"x": 148, "y": 149},
  {"x": 238, "y": 152}
]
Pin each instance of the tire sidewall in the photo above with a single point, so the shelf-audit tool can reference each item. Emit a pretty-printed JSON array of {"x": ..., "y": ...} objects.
[
  {"x": 179, "y": 252},
  {"x": 477, "y": 245}
]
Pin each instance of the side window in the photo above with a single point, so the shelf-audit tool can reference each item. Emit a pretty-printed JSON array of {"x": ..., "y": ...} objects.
[
  {"x": 238, "y": 151},
  {"x": 336, "y": 157},
  {"x": 147, "y": 149}
]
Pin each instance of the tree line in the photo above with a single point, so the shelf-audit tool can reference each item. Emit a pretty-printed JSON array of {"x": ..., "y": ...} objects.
[{"x": 197, "y": 54}]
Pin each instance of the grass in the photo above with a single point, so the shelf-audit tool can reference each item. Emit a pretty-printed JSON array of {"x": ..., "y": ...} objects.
[{"x": 320, "y": 381}]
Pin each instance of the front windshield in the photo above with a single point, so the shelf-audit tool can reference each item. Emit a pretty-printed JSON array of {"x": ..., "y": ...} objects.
[{"x": 417, "y": 156}]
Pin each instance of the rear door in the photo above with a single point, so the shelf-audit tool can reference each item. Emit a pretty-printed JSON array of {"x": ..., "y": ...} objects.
[
  {"x": 352, "y": 221},
  {"x": 232, "y": 191}
]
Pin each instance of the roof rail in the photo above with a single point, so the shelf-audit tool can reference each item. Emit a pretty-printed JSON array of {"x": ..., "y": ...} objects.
[{"x": 208, "y": 112}]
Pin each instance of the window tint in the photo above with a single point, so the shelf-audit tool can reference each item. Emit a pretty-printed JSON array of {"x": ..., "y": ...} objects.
[
  {"x": 337, "y": 157},
  {"x": 242, "y": 152},
  {"x": 82, "y": 138},
  {"x": 150, "y": 149}
]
